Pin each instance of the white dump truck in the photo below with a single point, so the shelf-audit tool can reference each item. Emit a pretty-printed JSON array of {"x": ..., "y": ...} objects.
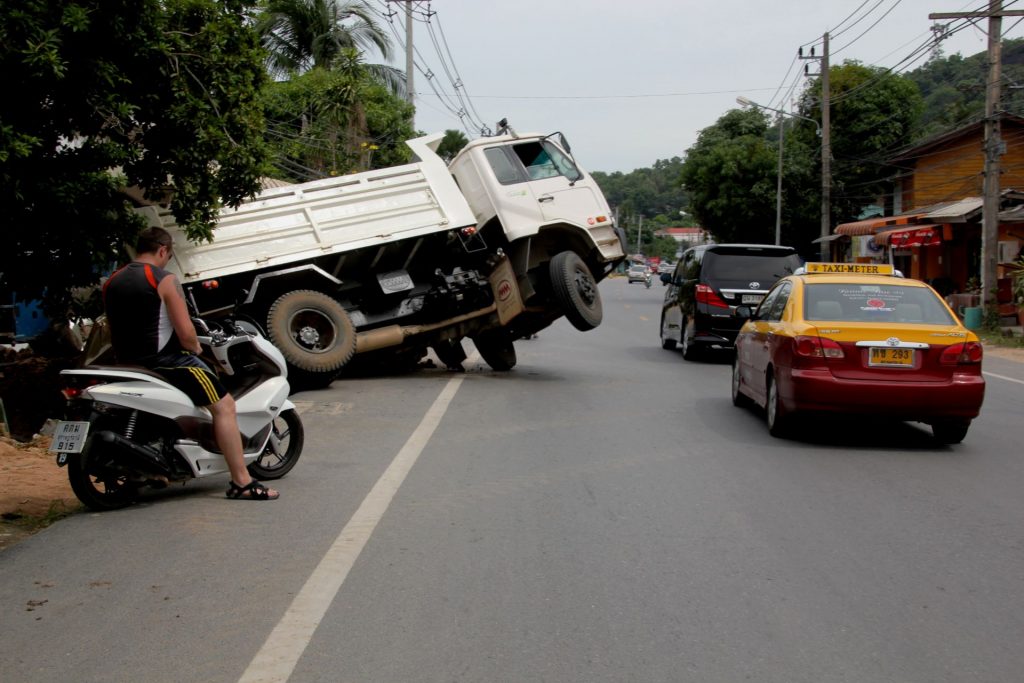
[{"x": 495, "y": 246}]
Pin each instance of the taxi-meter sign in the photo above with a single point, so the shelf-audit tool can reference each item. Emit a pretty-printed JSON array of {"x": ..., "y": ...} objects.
[{"x": 850, "y": 268}]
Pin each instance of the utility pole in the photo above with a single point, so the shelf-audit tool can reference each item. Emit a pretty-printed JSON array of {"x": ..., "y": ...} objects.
[
  {"x": 409, "y": 65},
  {"x": 993, "y": 143},
  {"x": 826, "y": 153},
  {"x": 826, "y": 145}
]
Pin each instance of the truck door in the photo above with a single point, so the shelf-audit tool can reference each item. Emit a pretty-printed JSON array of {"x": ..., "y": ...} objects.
[{"x": 560, "y": 189}]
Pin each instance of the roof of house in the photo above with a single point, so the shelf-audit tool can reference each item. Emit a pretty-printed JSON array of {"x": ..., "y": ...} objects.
[{"x": 941, "y": 139}]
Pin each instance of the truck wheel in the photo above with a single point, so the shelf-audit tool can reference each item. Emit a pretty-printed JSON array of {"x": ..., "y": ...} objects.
[
  {"x": 576, "y": 290},
  {"x": 497, "y": 350},
  {"x": 312, "y": 331}
]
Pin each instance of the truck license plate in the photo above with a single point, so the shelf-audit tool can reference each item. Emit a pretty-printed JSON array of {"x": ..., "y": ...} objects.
[
  {"x": 69, "y": 437},
  {"x": 883, "y": 355}
]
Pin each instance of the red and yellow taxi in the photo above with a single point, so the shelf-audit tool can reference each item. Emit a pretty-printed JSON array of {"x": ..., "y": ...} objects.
[{"x": 858, "y": 339}]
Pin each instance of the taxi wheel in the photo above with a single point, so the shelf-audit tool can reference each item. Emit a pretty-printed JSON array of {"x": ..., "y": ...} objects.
[
  {"x": 739, "y": 399},
  {"x": 950, "y": 432},
  {"x": 778, "y": 421}
]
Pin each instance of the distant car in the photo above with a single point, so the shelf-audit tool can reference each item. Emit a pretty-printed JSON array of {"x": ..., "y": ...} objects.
[
  {"x": 842, "y": 339},
  {"x": 666, "y": 267},
  {"x": 637, "y": 273},
  {"x": 708, "y": 283}
]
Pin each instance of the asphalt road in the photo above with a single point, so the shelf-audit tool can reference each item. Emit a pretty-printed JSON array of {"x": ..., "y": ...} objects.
[{"x": 600, "y": 513}]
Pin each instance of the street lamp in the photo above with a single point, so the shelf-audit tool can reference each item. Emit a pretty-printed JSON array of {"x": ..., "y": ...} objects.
[{"x": 745, "y": 102}]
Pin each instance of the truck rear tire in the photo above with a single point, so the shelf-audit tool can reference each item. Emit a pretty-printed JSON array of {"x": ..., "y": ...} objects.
[
  {"x": 576, "y": 290},
  {"x": 497, "y": 350},
  {"x": 312, "y": 331}
]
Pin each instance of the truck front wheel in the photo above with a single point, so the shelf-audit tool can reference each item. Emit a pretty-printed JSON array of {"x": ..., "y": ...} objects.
[
  {"x": 312, "y": 331},
  {"x": 576, "y": 290}
]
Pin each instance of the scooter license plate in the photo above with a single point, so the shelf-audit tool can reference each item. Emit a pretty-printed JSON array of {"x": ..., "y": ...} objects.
[{"x": 69, "y": 437}]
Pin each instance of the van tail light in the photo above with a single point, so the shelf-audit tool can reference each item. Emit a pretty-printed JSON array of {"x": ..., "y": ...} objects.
[
  {"x": 964, "y": 353},
  {"x": 806, "y": 346},
  {"x": 706, "y": 295}
]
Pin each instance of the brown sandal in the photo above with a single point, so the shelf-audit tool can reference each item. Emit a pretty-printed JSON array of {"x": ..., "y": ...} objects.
[{"x": 253, "y": 491}]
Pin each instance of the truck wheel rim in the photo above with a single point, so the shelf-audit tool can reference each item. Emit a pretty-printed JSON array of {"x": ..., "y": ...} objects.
[
  {"x": 312, "y": 330},
  {"x": 585, "y": 287}
]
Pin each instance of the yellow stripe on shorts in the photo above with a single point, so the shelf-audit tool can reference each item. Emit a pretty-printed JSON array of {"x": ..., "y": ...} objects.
[{"x": 206, "y": 384}]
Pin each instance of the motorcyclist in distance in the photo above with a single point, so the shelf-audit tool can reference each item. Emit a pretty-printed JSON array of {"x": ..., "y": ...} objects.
[{"x": 150, "y": 326}]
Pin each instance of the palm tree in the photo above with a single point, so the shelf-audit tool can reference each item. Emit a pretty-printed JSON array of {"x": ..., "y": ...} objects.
[{"x": 303, "y": 34}]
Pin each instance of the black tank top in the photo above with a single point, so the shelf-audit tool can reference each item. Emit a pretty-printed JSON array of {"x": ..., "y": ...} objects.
[{"x": 140, "y": 327}]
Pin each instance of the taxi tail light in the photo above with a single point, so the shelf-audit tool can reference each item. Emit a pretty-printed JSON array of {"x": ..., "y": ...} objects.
[
  {"x": 706, "y": 295},
  {"x": 817, "y": 347},
  {"x": 964, "y": 353}
]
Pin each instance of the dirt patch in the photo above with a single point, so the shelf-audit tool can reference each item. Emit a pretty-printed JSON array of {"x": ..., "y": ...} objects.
[{"x": 33, "y": 490}]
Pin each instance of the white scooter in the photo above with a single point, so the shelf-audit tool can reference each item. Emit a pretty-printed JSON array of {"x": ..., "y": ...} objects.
[{"x": 128, "y": 428}]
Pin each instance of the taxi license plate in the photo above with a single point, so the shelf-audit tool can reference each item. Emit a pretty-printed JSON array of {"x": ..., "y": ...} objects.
[
  {"x": 69, "y": 437},
  {"x": 897, "y": 357},
  {"x": 751, "y": 298}
]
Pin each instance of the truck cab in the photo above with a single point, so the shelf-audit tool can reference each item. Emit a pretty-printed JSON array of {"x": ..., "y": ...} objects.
[{"x": 531, "y": 188}]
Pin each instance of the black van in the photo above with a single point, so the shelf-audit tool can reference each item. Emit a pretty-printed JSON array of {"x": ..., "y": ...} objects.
[{"x": 709, "y": 282}]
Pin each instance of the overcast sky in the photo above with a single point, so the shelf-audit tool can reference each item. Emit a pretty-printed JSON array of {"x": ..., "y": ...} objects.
[{"x": 633, "y": 81}]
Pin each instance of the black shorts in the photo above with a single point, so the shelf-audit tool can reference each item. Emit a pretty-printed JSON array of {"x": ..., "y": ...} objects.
[{"x": 188, "y": 372}]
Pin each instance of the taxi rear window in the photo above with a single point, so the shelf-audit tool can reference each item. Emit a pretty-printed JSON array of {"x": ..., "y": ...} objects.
[{"x": 862, "y": 302}]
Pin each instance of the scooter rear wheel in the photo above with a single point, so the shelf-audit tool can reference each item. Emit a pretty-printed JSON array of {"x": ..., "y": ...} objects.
[
  {"x": 282, "y": 450},
  {"x": 98, "y": 486}
]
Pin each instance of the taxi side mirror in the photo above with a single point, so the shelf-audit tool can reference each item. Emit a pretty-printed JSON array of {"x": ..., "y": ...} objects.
[{"x": 743, "y": 313}]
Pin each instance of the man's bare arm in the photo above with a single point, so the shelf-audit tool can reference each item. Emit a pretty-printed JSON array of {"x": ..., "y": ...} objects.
[{"x": 174, "y": 299}]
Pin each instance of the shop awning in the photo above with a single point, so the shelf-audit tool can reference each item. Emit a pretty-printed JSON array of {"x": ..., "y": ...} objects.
[
  {"x": 913, "y": 236},
  {"x": 829, "y": 238},
  {"x": 871, "y": 225}
]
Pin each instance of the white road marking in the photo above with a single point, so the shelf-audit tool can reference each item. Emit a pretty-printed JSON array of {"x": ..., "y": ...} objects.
[
  {"x": 281, "y": 652},
  {"x": 1008, "y": 379}
]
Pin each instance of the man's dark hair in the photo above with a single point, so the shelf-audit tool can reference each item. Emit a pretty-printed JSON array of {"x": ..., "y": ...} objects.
[{"x": 151, "y": 239}]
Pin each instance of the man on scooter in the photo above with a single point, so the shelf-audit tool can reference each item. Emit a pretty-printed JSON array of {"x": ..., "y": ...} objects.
[{"x": 150, "y": 326}]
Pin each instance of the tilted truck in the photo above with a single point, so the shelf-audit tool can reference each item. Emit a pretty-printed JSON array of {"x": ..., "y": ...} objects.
[{"x": 504, "y": 240}]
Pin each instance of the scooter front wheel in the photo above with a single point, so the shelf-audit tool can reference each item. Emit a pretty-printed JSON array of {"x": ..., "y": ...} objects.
[
  {"x": 283, "y": 448},
  {"x": 99, "y": 486}
]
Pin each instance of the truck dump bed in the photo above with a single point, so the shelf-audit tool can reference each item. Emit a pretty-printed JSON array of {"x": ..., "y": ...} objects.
[{"x": 329, "y": 216}]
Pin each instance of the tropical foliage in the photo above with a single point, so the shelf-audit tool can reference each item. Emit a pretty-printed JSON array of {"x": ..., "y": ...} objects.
[
  {"x": 162, "y": 92},
  {"x": 328, "y": 122},
  {"x": 300, "y": 35},
  {"x": 731, "y": 171}
]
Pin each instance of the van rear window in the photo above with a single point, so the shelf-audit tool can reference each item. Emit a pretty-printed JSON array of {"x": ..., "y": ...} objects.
[{"x": 765, "y": 268}]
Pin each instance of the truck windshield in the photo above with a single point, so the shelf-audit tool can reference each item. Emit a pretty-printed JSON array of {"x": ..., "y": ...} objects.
[{"x": 533, "y": 160}]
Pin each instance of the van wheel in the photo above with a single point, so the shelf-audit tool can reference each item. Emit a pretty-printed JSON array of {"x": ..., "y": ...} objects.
[
  {"x": 666, "y": 343},
  {"x": 497, "y": 350},
  {"x": 312, "y": 331},
  {"x": 576, "y": 290},
  {"x": 690, "y": 350}
]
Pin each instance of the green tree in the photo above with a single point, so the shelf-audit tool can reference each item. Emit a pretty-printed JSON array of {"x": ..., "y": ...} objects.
[
  {"x": 873, "y": 114},
  {"x": 729, "y": 174},
  {"x": 452, "y": 144},
  {"x": 300, "y": 35},
  {"x": 329, "y": 122},
  {"x": 164, "y": 90}
]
